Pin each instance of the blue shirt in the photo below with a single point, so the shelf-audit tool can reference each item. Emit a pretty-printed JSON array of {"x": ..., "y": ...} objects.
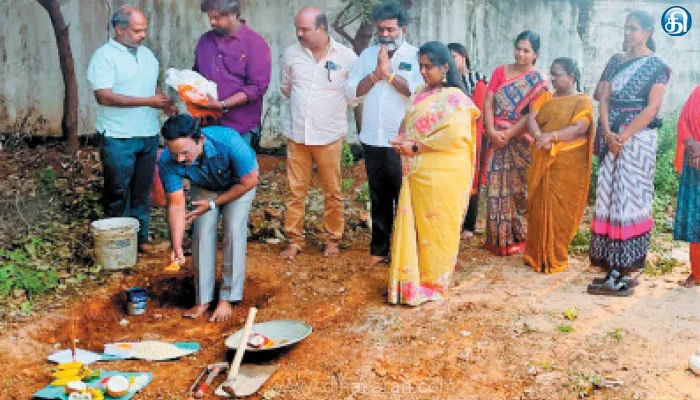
[
  {"x": 129, "y": 72},
  {"x": 225, "y": 159}
]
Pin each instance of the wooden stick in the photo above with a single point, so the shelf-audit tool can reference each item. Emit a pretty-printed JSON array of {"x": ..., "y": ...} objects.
[
  {"x": 238, "y": 358},
  {"x": 72, "y": 337}
]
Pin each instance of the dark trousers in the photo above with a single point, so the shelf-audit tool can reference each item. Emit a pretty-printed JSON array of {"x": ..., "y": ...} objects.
[
  {"x": 383, "y": 166},
  {"x": 472, "y": 212},
  {"x": 128, "y": 166},
  {"x": 469, "y": 223}
]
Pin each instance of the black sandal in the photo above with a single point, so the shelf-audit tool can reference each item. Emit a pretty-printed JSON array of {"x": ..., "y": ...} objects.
[
  {"x": 622, "y": 290},
  {"x": 613, "y": 285},
  {"x": 631, "y": 282}
]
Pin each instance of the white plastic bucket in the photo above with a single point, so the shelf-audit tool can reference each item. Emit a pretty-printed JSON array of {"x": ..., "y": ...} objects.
[{"x": 116, "y": 242}]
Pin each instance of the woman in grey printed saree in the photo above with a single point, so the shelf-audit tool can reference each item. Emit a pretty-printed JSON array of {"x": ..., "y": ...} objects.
[{"x": 633, "y": 87}]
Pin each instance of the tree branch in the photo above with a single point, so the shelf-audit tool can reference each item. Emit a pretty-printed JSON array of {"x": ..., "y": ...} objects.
[
  {"x": 19, "y": 212},
  {"x": 69, "y": 123},
  {"x": 340, "y": 28}
]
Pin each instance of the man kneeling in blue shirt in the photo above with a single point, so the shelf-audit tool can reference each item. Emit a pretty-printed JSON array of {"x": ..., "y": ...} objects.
[{"x": 223, "y": 172}]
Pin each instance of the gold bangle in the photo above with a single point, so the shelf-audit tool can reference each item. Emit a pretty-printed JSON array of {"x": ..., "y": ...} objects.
[
  {"x": 373, "y": 78},
  {"x": 391, "y": 77}
]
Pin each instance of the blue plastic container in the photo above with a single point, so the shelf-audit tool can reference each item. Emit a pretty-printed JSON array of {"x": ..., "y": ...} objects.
[{"x": 136, "y": 300}]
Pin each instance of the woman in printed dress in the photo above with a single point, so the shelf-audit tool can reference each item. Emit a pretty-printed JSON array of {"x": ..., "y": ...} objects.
[
  {"x": 437, "y": 144},
  {"x": 512, "y": 89},
  {"x": 687, "y": 225},
  {"x": 632, "y": 91}
]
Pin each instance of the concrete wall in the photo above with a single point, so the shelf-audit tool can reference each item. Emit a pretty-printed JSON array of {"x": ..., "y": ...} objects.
[{"x": 588, "y": 30}]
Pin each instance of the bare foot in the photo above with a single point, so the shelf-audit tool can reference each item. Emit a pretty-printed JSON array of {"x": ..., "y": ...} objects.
[
  {"x": 467, "y": 235},
  {"x": 196, "y": 311},
  {"x": 331, "y": 250},
  {"x": 691, "y": 282},
  {"x": 223, "y": 312},
  {"x": 375, "y": 260},
  {"x": 290, "y": 252}
]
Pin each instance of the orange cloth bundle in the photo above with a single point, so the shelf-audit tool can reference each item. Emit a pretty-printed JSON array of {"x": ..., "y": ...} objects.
[{"x": 194, "y": 100}]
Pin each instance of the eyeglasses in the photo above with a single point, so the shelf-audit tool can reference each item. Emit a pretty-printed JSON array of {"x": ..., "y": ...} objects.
[{"x": 557, "y": 74}]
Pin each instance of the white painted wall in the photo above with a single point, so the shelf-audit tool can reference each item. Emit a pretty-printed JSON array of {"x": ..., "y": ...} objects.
[{"x": 31, "y": 86}]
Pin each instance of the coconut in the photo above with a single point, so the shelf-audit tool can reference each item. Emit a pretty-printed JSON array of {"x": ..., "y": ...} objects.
[
  {"x": 695, "y": 363},
  {"x": 75, "y": 387},
  {"x": 117, "y": 386},
  {"x": 257, "y": 340}
]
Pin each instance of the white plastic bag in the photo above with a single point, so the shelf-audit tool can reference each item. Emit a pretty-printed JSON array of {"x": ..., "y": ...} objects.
[{"x": 176, "y": 77}]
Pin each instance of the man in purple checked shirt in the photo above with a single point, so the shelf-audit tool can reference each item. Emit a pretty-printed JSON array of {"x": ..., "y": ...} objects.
[{"x": 238, "y": 60}]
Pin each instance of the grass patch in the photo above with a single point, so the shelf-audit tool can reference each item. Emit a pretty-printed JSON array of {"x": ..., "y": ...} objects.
[
  {"x": 546, "y": 366},
  {"x": 618, "y": 334},
  {"x": 565, "y": 328},
  {"x": 346, "y": 157},
  {"x": 666, "y": 179},
  {"x": 585, "y": 384},
  {"x": 21, "y": 269},
  {"x": 347, "y": 184},
  {"x": 581, "y": 242},
  {"x": 664, "y": 265}
]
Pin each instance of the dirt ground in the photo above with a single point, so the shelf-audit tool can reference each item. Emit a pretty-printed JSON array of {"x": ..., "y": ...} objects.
[{"x": 501, "y": 334}]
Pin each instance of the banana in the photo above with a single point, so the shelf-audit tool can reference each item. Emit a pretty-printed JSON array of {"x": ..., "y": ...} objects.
[
  {"x": 69, "y": 365},
  {"x": 69, "y": 375},
  {"x": 66, "y": 373}
]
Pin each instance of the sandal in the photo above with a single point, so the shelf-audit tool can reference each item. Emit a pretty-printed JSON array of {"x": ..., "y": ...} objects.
[
  {"x": 615, "y": 285},
  {"x": 690, "y": 282},
  {"x": 631, "y": 282}
]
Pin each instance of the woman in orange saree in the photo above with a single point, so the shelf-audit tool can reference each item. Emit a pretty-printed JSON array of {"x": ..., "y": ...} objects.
[
  {"x": 437, "y": 144},
  {"x": 560, "y": 169},
  {"x": 511, "y": 90}
]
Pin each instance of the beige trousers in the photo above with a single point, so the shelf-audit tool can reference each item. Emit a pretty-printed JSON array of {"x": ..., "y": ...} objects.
[{"x": 300, "y": 160}]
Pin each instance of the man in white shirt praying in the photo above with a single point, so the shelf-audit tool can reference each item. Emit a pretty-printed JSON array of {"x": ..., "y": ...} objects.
[
  {"x": 385, "y": 74},
  {"x": 314, "y": 73}
]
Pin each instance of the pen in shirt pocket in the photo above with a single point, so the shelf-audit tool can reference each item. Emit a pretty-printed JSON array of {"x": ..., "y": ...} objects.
[{"x": 330, "y": 66}]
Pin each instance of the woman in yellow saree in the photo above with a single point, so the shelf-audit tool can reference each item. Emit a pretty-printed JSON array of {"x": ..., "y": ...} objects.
[
  {"x": 560, "y": 168},
  {"x": 437, "y": 143}
]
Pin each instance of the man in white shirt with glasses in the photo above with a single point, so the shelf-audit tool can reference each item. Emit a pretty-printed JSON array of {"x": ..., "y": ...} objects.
[{"x": 385, "y": 75}]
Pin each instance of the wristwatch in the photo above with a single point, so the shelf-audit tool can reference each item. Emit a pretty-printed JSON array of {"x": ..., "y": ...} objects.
[
  {"x": 414, "y": 148},
  {"x": 212, "y": 204}
]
